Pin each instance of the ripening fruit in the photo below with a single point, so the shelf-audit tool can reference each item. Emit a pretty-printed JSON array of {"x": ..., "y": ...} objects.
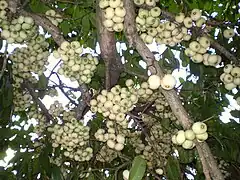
[
  {"x": 236, "y": 81},
  {"x": 120, "y": 139},
  {"x": 109, "y": 13},
  {"x": 189, "y": 134},
  {"x": 155, "y": 12},
  {"x": 114, "y": 3},
  {"x": 168, "y": 82},
  {"x": 180, "y": 17},
  {"x": 200, "y": 22},
  {"x": 230, "y": 86},
  {"x": 111, "y": 143},
  {"x": 202, "y": 137},
  {"x": 189, "y": 52},
  {"x": 159, "y": 171},
  {"x": 228, "y": 78},
  {"x": 180, "y": 137},
  {"x": 120, "y": 11},
  {"x": 150, "y": 2},
  {"x": 118, "y": 27},
  {"x": 108, "y": 23},
  {"x": 118, "y": 146},
  {"x": 194, "y": 46},
  {"x": 126, "y": 174},
  {"x": 129, "y": 83},
  {"x": 154, "y": 82},
  {"x": 204, "y": 42},
  {"x": 235, "y": 72},
  {"x": 187, "y": 22},
  {"x": 228, "y": 33},
  {"x": 228, "y": 68},
  {"x": 196, "y": 14},
  {"x": 148, "y": 39},
  {"x": 174, "y": 141},
  {"x": 212, "y": 59},
  {"x": 197, "y": 58},
  {"x": 199, "y": 128},
  {"x": 103, "y": 4},
  {"x": 188, "y": 144}
]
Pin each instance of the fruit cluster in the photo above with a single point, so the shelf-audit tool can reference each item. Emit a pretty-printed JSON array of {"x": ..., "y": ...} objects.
[
  {"x": 197, "y": 50},
  {"x": 30, "y": 59},
  {"x": 195, "y": 18},
  {"x": 19, "y": 30},
  {"x": 56, "y": 109},
  {"x": 54, "y": 17},
  {"x": 22, "y": 100},
  {"x": 3, "y": 12},
  {"x": 114, "y": 13},
  {"x": 75, "y": 67},
  {"x": 185, "y": 138},
  {"x": 167, "y": 82},
  {"x": 106, "y": 154},
  {"x": 73, "y": 137},
  {"x": 231, "y": 76},
  {"x": 114, "y": 104},
  {"x": 163, "y": 109},
  {"x": 223, "y": 166},
  {"x": 115, "y": 142}
]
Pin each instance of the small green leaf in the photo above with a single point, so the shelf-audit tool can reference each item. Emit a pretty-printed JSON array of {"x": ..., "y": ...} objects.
[
  {"x": 85, "y": 25},
  {"x": 181, "y": 80},
  {"x": 56, "y": 173},
  {"x": 42, "y": 85},
  {"x": 65, "y": 27},
  {"x": 185, "y": 156},
  {"x": 138, "y": 168},
  {"x": 173, "y": 169},
  {"x": 38, "y": 7}
]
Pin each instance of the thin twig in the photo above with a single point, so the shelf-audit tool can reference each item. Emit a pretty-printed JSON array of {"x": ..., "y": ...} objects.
[{"x": 30, "y": 89}]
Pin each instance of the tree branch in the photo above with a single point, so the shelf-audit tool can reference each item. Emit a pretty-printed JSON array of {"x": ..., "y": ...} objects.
[
  {"x": 108, "y": 50},
  {"x": 30, "y": 89},
  {"x": 171, "y": 96}
]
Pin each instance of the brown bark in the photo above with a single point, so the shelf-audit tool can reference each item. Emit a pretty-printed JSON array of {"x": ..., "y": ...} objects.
[{"x": 108, "y": 50}]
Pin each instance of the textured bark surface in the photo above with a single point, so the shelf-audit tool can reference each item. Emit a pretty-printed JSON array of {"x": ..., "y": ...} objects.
[{"x": 108, "y": 50}]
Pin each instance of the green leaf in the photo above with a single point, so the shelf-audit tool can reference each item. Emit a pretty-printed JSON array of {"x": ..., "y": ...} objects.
[
  {"x": 138, "y": 168},
  {"x": 173, "y": 169},
  {"x": 56, "y": 173},
  {"x": 42, "y": 85},
  {"x": 185, "y": 59},
  {"x": 85, "y": 25},
  {"x": 185, "y": 156},
  {"x": 38, "y": 7},
  {"x": 65, "y": 27}
]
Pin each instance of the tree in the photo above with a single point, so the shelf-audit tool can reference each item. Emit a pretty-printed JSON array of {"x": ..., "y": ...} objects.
[{"x": 140, "y": 127}]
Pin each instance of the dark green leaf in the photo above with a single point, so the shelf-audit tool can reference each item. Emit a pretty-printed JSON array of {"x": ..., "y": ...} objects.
[
  {"x": 173, "y": 169},
  {"x": 56, "y": 173}
]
